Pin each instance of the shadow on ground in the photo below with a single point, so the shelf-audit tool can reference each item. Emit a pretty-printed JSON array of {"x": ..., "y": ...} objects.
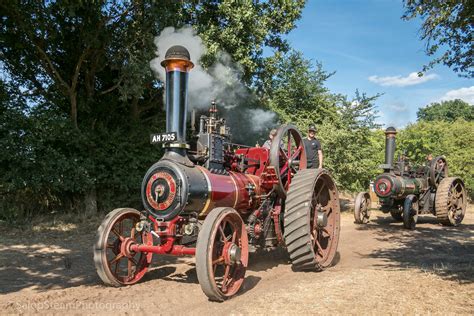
[
  {"x": 57, "y": 259},
  {"x": 46, "y": 259},
  {"x": 444, "y": 251}
]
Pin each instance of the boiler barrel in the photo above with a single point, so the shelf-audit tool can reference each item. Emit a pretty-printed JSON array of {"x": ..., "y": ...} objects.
[
  {"x": 230, "y": 190},
  {"x": 171, "y": 188},
  {"x": 397, "y": 187}
]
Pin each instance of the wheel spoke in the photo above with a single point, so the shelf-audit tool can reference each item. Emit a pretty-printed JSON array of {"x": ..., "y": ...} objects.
[
  {"x": 224, "y": 279},
  {"x": 315, "y": 199},
  {"x": 234, "y": 236},
  {"x": 221, "y": 230},
  {"x": 133, "y": 261},
  {"x": 117, "y": 258},
  {"x": 117, "y": 234},
  {"x": 319, "y": 249},
  {"x": 283, "y": 154},
  {"x": 129, "y": 268},
  {"x": 218, "y": 261}
]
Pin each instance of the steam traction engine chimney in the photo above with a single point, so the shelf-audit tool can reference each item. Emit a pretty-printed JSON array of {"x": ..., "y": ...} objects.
[
  {"x": 177, "y": 64},
  {"x": 390, "y": 145}
]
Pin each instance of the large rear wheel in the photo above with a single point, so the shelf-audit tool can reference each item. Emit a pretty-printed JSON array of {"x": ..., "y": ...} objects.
[
  {"x": 451, "y": 201},
  {"x": 222, "y": 254},
  {"x": 438, "y": 171},
  {"x": 287, "y": 156},
  {"x": 312, "y": 220}
]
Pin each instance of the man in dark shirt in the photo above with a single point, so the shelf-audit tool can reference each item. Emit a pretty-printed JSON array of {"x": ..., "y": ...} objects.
[{"x": 314, "y": 154}]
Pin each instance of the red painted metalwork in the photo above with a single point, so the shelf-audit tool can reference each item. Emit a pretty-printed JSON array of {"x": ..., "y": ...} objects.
[
  {"x": 380, "y": 189},
  {"x": 232, "y": 190},
  {"x": 167, "y": 249},
  {"x": 257, "y": 157}
]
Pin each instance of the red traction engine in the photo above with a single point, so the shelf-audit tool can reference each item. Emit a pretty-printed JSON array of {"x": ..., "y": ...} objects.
[{"x": 219, "y": 201}]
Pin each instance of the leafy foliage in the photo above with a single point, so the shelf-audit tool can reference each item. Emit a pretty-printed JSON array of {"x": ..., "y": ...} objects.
[
  {"x": 295, "y": 90},
  {"x": 78, "y": 98},
  {"x": 447, "y": 111},
  {"x": 447, "y": 26}
]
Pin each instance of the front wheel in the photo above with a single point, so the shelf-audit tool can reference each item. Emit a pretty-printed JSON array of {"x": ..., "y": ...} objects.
[
  {"x": 410, "y": 212},
  {"x": 115, "y": 265},
  {"x": 222, "y": 254},
  {"x": 362, "y": 207}
]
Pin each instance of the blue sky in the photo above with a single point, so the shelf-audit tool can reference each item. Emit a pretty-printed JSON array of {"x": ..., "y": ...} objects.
[{"x": 372, "y": 49}]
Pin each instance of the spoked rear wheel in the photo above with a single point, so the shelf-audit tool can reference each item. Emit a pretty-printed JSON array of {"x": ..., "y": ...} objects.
[
  {"x": 115, "y": 264},
  {"x": 287, "y": 156},
  {"x": 451, "y": 201},
  {"x": 312, "y": 220},
  {"x": 362, "y": 207},
  {"x": 222, "y": 254}
]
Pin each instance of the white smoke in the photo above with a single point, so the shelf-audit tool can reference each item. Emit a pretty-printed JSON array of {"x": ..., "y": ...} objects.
[
  {"x": 220, "y": 82},
  {"x": 262, "y": 120}
]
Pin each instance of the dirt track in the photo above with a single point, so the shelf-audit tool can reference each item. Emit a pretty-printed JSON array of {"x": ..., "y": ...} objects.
[{"x": 382, "y": 268}]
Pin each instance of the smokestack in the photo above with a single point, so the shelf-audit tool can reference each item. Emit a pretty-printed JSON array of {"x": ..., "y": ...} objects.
[
  {"x": 177, "y": 64},
  {"x": 390, "y": 146}
]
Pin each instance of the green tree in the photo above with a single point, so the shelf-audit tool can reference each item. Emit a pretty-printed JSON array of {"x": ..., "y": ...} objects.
[
  {"x": 447, "y": 111},
  {"x": 295, "y": 90},
  {"x": 447, "y": 27},
  {"x": 89, "y": 98}
]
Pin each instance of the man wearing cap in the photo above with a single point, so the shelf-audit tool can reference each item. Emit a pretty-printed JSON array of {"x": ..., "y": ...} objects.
[
  {"x": 314, "y": 154},
  {"x": 268, "y": 142}
]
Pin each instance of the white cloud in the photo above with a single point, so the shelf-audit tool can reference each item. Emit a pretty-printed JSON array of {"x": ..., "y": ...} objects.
[
  {"x": 399, "y": 81},
  {"x": 465, "y": 94},
  {"x": 398, "y": 107}
]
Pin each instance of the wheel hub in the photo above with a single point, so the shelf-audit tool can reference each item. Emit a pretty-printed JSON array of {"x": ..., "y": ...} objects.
[
  {"x": 232, "y": 253},
  {"x": 125, "y": 247},
  {"x": 322, "y": 219}
]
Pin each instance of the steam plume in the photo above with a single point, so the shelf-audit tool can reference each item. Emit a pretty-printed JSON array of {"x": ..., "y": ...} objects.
[{"x": 221, "y": 82}]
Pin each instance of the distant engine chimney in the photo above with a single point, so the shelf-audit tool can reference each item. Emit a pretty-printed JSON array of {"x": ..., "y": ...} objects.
[
  {"x": 390, "y": 145},
  {"x": 177, "y": 64}
]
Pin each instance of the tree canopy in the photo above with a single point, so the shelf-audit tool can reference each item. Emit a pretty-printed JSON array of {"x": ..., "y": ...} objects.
[
  {"x": 447, "y": 111},
  {"x": 447, "y": 27},
  {"x": 78, "y": 97}
]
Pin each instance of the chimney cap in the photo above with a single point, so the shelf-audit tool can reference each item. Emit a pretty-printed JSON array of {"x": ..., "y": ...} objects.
[
  {"x": 390, "y": 130},
  {"x": 177, "y": 52}
]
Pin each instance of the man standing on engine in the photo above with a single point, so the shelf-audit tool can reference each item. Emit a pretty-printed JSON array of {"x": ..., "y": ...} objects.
[
  {"x": 314, "y": 154},
  {"x": 268, "y": 143}
]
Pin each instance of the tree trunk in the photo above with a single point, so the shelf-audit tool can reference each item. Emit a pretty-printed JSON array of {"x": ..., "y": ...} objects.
[
  {"x": 90, "y": 202},
  {"x": 73, "y": 100}
]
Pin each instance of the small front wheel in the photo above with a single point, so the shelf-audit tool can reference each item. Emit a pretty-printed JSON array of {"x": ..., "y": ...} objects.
[
  {"x": 115, "y": 265},
  {"x": 362, "y": 207},
  {"x": 410, "y": 212},
  {"x": 222, "y": 254}
]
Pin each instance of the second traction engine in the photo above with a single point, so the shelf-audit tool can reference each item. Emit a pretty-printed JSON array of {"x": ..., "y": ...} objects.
[
  {"x": 407, "y": 191},
  {"x": 219, "y": 201}
]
